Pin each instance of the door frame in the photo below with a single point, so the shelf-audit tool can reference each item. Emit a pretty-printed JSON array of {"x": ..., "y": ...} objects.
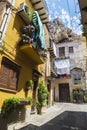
[{"x": 64, "y": 85}]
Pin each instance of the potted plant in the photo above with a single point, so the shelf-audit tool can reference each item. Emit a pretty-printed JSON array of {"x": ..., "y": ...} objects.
[
  {"x": 41, "y": 97},
  {"x": 78, "y": 95},
  {"x": 30, "y": 100},
  {"x": 29, "y": 85},
  {"x": 9, "y": 106}
]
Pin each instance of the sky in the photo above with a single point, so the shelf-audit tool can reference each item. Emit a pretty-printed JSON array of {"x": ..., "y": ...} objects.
[{"x": 67, "y": 11}]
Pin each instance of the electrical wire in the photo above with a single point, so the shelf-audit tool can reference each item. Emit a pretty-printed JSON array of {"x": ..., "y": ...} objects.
[
  {"x": 20, "y": 57},
  {"x": 77, "y": 52},
  {"x": 74, "y": 21},
  {"x": 79, "y": 60},
  {"x": 77, "y": 16},
  {"x": 75, "y": 7},
  {"x": 69, "y": 14}
]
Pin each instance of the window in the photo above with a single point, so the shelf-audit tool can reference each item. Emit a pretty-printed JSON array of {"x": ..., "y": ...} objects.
[
  {"x": 76, "y": 76},
  {"x": 71, "y": 49},
  {"x": 61, "y": 51},
  {"x": 8, "y": 75}
]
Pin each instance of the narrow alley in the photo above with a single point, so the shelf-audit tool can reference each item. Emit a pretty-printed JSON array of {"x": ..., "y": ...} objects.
[
  {"x": 62, "y": 116},
  {"x": 43, "y": 64}
]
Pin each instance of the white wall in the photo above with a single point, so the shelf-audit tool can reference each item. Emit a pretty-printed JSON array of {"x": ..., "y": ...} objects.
[
  {"x": 77, "y": 48},
  {"x": 62, "y": 80},
  {"x": 76, "y": 58},
  {"x": 71, "y": 86}
]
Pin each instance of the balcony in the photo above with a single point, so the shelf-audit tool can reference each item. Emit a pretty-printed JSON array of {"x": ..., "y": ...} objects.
[
  {"x": 52, "y": 50},
  {"x": 32, "y": 54},
  {"x": 24, "y": 13},
  {"x": 41, "y": 7},
  {"x": 31, "y": 43},
  {"x": 53, "y": 71},
  {"x": 52, "y": 55}
]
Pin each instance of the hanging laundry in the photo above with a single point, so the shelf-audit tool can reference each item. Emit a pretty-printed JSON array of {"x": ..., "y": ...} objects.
[
  {"x": 63, "y": 66},
  {"x": 39, "y": 29},
  {"x": 63, "y": 75}
]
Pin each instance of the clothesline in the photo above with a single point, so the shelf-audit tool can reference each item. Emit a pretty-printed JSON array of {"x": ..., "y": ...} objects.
[{"x": 64, "y": 66}]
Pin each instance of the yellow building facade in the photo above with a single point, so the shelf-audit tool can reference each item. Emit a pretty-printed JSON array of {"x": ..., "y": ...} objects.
[{"x": 18, "y": 64}]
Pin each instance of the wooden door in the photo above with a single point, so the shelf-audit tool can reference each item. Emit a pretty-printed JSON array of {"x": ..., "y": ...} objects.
[{"x": 64, "y": 94}]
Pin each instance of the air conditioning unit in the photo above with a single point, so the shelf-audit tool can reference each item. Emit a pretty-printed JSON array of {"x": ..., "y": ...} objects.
[
  {"x": 22, "y": 7},
  {"x": 22, "y": 12}
]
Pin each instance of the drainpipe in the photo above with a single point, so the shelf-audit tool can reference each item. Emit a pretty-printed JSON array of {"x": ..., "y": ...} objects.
[
  {"x": 5, "y": 23},
  {"x": 85, "y": 75}
]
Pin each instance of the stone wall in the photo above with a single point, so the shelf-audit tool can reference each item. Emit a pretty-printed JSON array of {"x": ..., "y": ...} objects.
[{"x": 59, "y": 33}]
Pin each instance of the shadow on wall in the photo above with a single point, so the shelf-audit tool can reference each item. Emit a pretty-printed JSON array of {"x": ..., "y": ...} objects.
[
  {"x": 18, "y": 115},
  {"x": 18, "y": 23},
  {"x": 68, "y": 120}
]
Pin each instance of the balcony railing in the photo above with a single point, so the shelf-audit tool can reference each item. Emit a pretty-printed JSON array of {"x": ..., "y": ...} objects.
[
  {"x": 51, "y": 50},
  {"x": 33, "y": 54},
  {"x": 32, "y": 48},
  {"x": 32, "y": 38},
  {"x": 53, "y": 70}
]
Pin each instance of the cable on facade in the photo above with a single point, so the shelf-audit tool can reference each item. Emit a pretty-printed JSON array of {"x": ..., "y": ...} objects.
[{"x": 14, "y": 55}]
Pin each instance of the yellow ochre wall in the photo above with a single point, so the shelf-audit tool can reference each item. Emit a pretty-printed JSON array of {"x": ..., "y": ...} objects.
[{"x": 10, "y": 42}]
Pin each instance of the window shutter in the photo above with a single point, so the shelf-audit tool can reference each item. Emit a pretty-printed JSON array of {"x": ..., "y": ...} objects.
[
  {"x": 13, "y": 79},
  {"x": 4, "y": 75},
  {"x": 8, "y": 76}
]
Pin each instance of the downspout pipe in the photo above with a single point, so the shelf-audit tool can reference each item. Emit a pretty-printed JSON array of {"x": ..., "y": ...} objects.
[{"x": 5, "y": 23}]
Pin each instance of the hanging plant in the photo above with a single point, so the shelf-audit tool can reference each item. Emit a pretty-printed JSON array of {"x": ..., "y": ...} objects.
[
  {"x": 29, "y": 99},
  {"x": 29, "y": 85}
]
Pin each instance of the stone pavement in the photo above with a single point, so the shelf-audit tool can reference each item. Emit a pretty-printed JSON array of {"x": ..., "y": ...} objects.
[{"x": 66, "y": 112}]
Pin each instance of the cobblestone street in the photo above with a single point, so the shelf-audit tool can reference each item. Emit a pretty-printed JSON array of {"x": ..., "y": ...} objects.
[{"x": 62, "y": 116}]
